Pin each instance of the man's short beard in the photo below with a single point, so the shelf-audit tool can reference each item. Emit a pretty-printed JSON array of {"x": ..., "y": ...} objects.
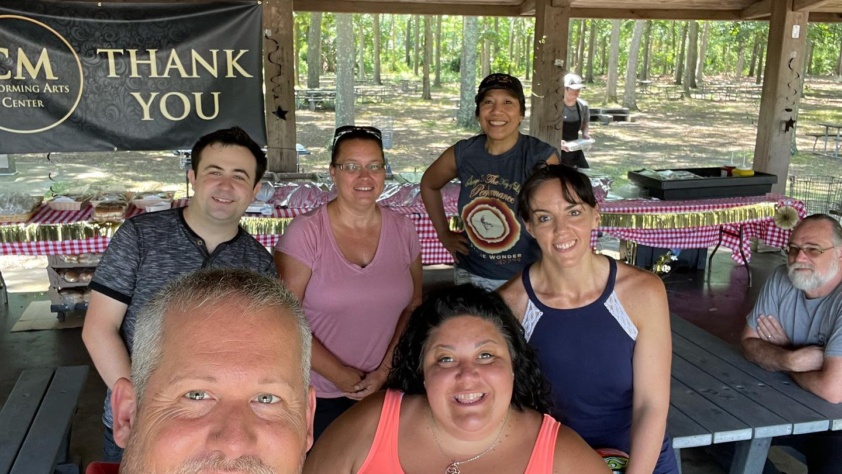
[
  {"x": 812, "y": 280},
  {"x": 218, "y": 462},
  {"x": 134, "y": 462}
]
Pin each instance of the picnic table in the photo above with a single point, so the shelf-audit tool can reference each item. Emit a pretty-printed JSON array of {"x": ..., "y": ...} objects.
[
  {"x": 36, "y": 418},
  {"x": 836, "y": 139},
  {"x": 670, "y": 91},
  {"x": 717, "y": 396},
  {"x": 313, "y": 97},
  {"x": 644, "y": 86}
]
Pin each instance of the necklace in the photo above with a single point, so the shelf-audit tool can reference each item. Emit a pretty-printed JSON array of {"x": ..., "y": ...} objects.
[{"x": 453, "y": 467}]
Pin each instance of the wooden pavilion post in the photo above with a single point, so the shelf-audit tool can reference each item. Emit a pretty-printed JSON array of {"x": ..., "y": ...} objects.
[
  {"x": 552, "y": 20},
  {"x": 279, "y": 85},
  {"x": 781, "y": 91}
]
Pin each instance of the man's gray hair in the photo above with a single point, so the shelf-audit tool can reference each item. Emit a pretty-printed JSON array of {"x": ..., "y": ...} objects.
[
  {"x": 836, "y": 228},
  {"x": 205, "y": 289}
]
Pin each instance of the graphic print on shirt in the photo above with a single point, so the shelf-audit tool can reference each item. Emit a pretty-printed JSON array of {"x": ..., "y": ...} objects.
[{"x": 489, "y": 220}]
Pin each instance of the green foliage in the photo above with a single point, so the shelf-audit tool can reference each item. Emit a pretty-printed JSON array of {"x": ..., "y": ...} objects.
[{"x": 724, "y": 43}]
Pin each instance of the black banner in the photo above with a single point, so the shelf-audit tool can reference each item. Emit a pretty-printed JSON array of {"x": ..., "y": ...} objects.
[{"x": 106, "y": 76}]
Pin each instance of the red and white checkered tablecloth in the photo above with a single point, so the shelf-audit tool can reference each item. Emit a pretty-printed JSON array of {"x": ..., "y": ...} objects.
[
  {"x": 764, "y": 229},
  {"x": 434, "y": 253},
  {"x": 55, "y": 247}
]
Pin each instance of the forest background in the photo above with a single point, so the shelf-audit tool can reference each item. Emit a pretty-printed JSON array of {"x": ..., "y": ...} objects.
[{"x": 424, "y": 71}]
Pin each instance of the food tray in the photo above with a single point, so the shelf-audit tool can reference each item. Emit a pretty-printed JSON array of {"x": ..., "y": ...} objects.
[
  {"x": 710, "y": 184},
  {"x": 69, "y": 205},
  {"x": 144, "y": 200},
  {"x": 16, "y": 218},
  {"x": 113, "y": 196},
  {"x": 22, "y": 216},
  {"x": 58, "y": 282},
  {"x": 87, "y": 260}
]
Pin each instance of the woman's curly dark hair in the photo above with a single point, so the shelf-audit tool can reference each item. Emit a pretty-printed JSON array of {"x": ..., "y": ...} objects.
[{"x": 530, "y": 390}]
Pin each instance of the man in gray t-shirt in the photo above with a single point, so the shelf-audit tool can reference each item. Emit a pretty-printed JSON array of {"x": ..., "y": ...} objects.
[
  {"x": 796, "y": 326},
  {"x": 151, "y": 249}
]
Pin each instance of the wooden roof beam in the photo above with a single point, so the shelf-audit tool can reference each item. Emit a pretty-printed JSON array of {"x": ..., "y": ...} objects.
[
  {"x": 759, "y": 10},
  {"x": 825, "y": 17},
  {"x": 807, "y": 5},
  {"x": 408, "y": 8},
  {"x": 655, "y": 14}
]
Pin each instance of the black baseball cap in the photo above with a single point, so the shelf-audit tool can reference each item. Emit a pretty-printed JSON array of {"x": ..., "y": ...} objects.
[{"x": 504, "y": 82}]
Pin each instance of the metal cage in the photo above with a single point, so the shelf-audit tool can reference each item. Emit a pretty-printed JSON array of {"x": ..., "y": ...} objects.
[{"x": 820, "y": 194}]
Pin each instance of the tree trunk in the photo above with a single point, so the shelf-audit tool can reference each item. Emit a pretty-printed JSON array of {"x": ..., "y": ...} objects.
[
  {"x": 692, "y": 52},
  {"x": 580, "y": 49},
  {"x": 726, "y": 51},
  {"x": 591, "y": 48},
  {"x": 673, "y": 43},
  {"x": 296, "y": 53},
  {"x": 344, "y": 69},
  {"x": 409, "y": 41},
  {"x": 468, "y": 72},
  {"x": 527, "y": 54},
  {"x": 647, "y": 50},
  {"x": 755, "y": 50},
  {"x": 495, "y": 50},
  {"x": 839, "y": 59},
  {"x": 759, "y": 78},
  {"x": 376, "y": 59},
  {"x": 437, "y": 80},
  {"x": 741, "y": 60},
  {"x": 361, "y": 51},
  {"x": 314, "y": 50},
  {"x": 510, "y": 62},
  {"x": 629, "y": 96},
  {"x": 809, "y": 58},
  {"x": 603, "y": 63},
  {"x": 679, "y": 64},
  {"x": 426, "y": 93},
  {"x": 485, "y": 55},
  {"x": 416, "y": 44},
  {"x": 613, "y": 63},
  {"x": 703, "y": 49}
]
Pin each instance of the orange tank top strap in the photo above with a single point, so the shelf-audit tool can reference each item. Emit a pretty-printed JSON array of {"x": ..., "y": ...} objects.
[
  {"x": 543, "y": 454},
  {"x": 383, "y": 455}
]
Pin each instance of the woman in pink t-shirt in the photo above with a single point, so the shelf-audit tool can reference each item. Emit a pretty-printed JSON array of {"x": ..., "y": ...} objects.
[
  {"x": 465, "y": 395},
  {"x": 356, "y": 267}
]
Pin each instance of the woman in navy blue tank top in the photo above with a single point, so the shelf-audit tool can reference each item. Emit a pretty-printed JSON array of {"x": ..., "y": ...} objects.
[{"x": 600, "y": 328}]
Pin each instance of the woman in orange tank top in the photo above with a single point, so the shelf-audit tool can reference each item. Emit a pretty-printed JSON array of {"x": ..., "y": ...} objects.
[{"x": 465, "y": 395}]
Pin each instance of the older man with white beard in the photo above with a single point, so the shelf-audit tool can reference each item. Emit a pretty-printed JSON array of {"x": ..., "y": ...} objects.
[{"x": 796, "y": 326}]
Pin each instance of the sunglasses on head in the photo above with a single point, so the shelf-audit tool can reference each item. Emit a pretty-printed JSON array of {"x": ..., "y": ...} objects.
[{"x": 353, "y": 129}]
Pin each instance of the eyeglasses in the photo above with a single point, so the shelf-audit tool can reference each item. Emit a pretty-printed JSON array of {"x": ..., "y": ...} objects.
[
  {"x": 356, "y": 167},
  {"x": 811, "y": 251},
  {"x": 353, "y": 129}
]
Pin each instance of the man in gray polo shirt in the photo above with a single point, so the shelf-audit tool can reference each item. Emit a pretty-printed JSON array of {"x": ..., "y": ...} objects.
[
  {"x": 151, "y": 249},
  {"x": 796, "y": 327}
]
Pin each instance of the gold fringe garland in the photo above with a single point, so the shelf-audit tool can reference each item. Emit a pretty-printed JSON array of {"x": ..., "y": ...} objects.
[
  {"x": 23, "y": 233},
  {"x": 683, "y": 220}
]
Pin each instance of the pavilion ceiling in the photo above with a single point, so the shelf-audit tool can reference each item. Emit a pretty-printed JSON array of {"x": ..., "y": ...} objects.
[{"x": 820, "y": 10}]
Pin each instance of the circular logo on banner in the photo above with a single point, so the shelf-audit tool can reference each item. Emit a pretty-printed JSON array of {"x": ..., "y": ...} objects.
[
  {"x": 40, "y": 76},
  {"x": 491, "y": 225}
]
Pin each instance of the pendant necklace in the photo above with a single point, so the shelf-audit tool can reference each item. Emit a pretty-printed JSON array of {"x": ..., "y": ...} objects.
[{"x": 453, "y": 467}]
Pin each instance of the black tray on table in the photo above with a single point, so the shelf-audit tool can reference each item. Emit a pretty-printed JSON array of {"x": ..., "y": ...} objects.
[{"x": 710, "y": 184}]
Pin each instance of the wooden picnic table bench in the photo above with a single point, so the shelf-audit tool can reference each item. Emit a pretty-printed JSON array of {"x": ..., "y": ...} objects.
[
  {"x": 35, "y": 421},
  {"x": 717, "y": 396}
]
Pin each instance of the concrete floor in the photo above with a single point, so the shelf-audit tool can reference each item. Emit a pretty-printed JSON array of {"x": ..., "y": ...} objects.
[{"x": 716, "y": 299}]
